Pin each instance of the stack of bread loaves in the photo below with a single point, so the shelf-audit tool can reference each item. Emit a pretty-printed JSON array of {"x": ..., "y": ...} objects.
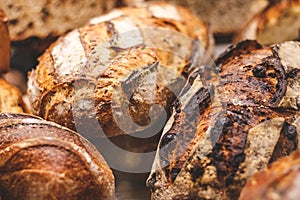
[
  {"x": 141, "y": 77},
  {"x": 40, "y": 159}
]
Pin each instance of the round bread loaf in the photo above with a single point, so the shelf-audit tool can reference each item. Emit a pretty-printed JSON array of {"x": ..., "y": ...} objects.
[
  {"x": 225, "y": 17},
  {"x": 45, "y": 18},
  {"x": 280, "y": 180},
  {"x": 119, "y": 69},
  {"x": 11, "y": 98},
  {"x": 277, "y": 23},
  {"x": 219, "y": 136},
  {"x": 4, "y": 43},
  {"x": 42, "y": 160}
]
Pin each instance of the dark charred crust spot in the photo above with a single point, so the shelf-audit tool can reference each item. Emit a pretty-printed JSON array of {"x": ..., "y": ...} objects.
[
  {"x": 174, "y": 173},
  {"x": 196, "y": 171},
  {"x": 293, "y": 73},
  {"x": 14, "y": 22},
  {"x": 166, "y": 139},
  {"x": 287, "y": 142},
  {"x": 290, "y": 132},
  {"x": 151, "y": 182},
  {"x": 259, "y": 71},
  {"x": 177, "y": 140},
  {"x": 112, "y": 32},
  {"x": 237, "y": 50},
  {"x": 30, "y": 25},
  {"x": 45, "y": 14},
  {"x": 230, "y": 134}
]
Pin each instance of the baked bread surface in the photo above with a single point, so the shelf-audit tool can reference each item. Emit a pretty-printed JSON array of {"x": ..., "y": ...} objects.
[
  {"x": 230, "y": 122},
  {"x": 120, "y": 64},
  {"x": 42, "y": 160}
]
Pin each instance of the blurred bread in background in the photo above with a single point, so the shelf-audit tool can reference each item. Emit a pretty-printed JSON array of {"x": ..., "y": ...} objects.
[
  {"x": 277, "y": 23},
  {"x": 4, "y": 43},
  {"x": 224, "y": 16}
]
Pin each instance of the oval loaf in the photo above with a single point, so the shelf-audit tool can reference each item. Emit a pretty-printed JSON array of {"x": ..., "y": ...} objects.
[
  {"x": 130, "y": 56},
  {"x": 220, "y": 135},
  {"x": 42, "y": 160}
]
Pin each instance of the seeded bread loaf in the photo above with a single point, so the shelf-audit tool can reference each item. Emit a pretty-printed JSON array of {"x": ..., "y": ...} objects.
[
  {"x": 11, "y": 98},
  {"x": 4, "y": 43},
  {"x": 280, "y": 180},
  {"x": 225, "y": 17},
  {"x": 42, "y": 160},
  {"x": 227, "y": 126},
  {"x": 45, "y": 18},
  {"x": 119, "y": 69},
  {"x": 277, "y": 23}
]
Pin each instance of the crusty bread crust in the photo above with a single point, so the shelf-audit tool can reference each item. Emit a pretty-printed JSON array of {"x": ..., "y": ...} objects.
[
  {"x": 11, "y": 98},
  {"x": 42, "y": 160},
  {"x": 45, "y": 18},
  {"x": 224, "y": 17},
  {"x": 217, "y": 138},
  {"x": 4, "y": 44},
  {"x": 277, "y": 23},
  {"x": 280, "y": 180},
  {"x": 116, "y": 62}
]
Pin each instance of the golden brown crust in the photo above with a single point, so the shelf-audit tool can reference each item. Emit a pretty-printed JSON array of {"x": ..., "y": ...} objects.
[
  {"x": 279, "y": 22},
  {"x": 116, "y": 65},
  {"x": 280, "y": 180},
  {"x": 217, "y": 138},
  {"x": 11, "y": 98},
  {"x": 42, "y": 160},
  {"x": 224, "y": 17},
  {"x": 50, "y": 18},
  {"x": 4, "y": 44}
]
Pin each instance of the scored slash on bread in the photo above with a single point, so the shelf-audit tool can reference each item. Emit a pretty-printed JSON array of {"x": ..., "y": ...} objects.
[
  {"x": 43, "y": 160},
  {"x": 279, "y": 22},
  {"x": 123, "y": 53},
  {"x": 218, "y": 137},
  {"x": 4, "y": 43}
]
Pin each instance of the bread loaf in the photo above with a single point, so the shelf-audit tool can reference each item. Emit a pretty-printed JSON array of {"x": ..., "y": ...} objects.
[
  {"x": 224, "y": 17},
  {"x": 218, "y": 136},
  {"x": 4, "y": 43},
  {"x": 277, "y": 181},
  {"x": 11, "y": 98},
  {"x": 42, "y": 160},
  {"x": 45, "y": 18},
  {"x": 117, "y": 67},
  {"x": 277, "y": 23}
]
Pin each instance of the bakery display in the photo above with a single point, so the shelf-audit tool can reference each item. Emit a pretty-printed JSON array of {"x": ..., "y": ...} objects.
[
  {"x": 280, "y": 180},
  {"x": 11, "y": 98},
  {"x": 4, "y": 43},
  {"x": 119, "y": 68},
  {"x": 46, "y": 18},
  {"x": 277, "y": 23},
  {"x": 232, "y": 121},
  {"x": 42, "y": 160},
  {"x": 224, "y": 17}
]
